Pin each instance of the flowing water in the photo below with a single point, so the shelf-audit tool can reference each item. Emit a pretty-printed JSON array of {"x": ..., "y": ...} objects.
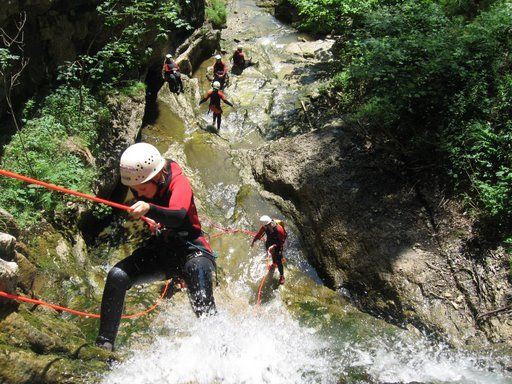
[{"x": 301, "y": 332}]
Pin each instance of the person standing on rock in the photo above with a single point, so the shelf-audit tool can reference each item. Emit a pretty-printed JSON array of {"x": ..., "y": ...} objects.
[
  {"x": 216, "y": 95},
  {"x": 274, "y": 243},
  {"x": 171, "y": 74},
  {"x": 220, "y": 71},
  {"x": 177, "y": 249}
]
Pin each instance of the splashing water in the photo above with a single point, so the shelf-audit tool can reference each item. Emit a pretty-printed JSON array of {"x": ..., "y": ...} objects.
[{"x": 253, "y": 348}]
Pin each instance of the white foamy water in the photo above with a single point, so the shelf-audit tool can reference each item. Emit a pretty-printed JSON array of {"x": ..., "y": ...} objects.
[
  {"x": 253, "y": 345},
  {"x": 248, "y": 348}
]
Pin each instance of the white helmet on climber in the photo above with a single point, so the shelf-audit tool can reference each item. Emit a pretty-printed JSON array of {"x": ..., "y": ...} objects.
[
  {"x": 168, "y": 56},
  {"x": 216, "y": 85},
  {"x": 265, "y": 220},
  {"x": 218, "y": 57},
  {"x": 140, "y": 163}
]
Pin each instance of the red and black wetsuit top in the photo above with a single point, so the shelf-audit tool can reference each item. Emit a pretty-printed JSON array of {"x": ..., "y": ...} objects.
[
  {"x": 215, "y": 98},
  {"x": 173, "y": 207},
  {"x": 220, "y": 68},
  {"x": 170, "y": 66},
  {"x": 239, "y": 58},
  {"x": 275, "y": 235}
]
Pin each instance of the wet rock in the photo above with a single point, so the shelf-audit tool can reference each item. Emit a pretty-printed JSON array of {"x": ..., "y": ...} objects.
[
  {"x": 27, "y": 272},
  {"x": 8, "y": 224},
  {"x": 8, "y": 277},
  {"x": 7, "y": 244},
  {"x": 127, "y": 113},
  {"x": 369, "y": 234},
  {"x": 197, "y": 48}
]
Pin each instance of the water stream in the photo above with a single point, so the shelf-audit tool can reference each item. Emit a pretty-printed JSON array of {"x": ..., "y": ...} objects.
[{"x": 301, "y": 332}]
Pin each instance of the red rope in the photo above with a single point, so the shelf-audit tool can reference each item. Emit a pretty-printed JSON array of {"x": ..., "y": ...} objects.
[
  {"x": 71, "y": 192},
  {"x": 80, "y": 313},
  {"x": 262, "y": 283}
]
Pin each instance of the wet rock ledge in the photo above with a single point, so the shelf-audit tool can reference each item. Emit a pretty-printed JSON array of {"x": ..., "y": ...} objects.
[{"x": 399, "y": 249}]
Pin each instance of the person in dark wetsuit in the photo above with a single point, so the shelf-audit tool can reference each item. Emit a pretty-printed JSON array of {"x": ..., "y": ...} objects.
[
  {"x": 216, "y": 95},
  {"x": 171, "y": 74},
  {"x": 220, "y": 71},
  {"x": 274, "y": 243},
  {"x": 239, "y": 61},
  {"x": 178, "y": 249}
]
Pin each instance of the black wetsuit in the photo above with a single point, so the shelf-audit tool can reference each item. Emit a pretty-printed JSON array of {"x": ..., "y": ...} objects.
[{"x": 180, "y": 250}]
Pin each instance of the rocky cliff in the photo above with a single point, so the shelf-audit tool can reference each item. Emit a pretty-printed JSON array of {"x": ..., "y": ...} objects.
[{"x": 400, "y": 249}]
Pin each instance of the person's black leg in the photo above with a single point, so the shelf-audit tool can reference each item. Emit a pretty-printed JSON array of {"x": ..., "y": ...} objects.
[
  {"x": 219, "y": 118},
  {"x": 142, "y": 266},
  {"x": 198, "y": 275},
  {"x": 179, "y": 82},
  {"x": 214, "y": 119}
]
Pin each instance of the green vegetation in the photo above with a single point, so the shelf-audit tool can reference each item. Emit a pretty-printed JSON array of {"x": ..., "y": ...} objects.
[
  {"x": 52, "y": 147},
  {"x": 216, "y": 13},
  {"x": 431, "y": 82},
  {"x": 136, "y": 26}
]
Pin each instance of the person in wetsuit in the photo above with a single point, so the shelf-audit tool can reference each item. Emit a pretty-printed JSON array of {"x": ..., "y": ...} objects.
[
  {"x": 178, "y": 249},
  {"x": 239, "y": 61},
  {"x": 171, "y": 74},
  {"x": 220, "y": 71},
  {"x": 216, "y": 95},
  {"x": 274, "y": 243}
]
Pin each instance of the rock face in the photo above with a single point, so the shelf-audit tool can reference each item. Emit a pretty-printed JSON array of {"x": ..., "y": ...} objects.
[{"x": 370, "y": 231}]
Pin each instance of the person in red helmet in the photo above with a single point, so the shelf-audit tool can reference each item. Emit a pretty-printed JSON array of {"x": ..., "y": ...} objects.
[
  {"x": 274, "y": 243},
  {"x": 216, "y": 95},
  {"x": 178, "y": 249}
]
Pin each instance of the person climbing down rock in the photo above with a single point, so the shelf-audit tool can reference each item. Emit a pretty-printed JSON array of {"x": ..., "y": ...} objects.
[
  {"x": 178, "y": 249},
  {"x": 216, "y": 95},
  {"x": 239, "y": 61},
  {"x": 274, "y": 243},
  {"x": 171, "y": 74},
  {"x": 220, "y": 71}
]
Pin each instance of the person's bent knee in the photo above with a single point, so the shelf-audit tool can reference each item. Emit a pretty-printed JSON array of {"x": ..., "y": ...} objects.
[{"x": 119, "y": 278}]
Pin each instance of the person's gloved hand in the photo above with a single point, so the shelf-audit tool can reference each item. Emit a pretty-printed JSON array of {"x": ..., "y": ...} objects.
[{"x": 140, "y": 208}]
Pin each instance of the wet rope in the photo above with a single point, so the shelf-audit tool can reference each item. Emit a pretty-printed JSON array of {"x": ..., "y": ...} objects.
[
  {"x": 270, "y": 267},
  {"x": 80, "y": 313}
]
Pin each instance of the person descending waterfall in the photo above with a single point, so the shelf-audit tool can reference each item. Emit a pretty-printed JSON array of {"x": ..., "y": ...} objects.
[
  {"x": 177, "y": 249},
  {"x": 274, "y": 243},
  {"x": 216, "y": 95},
  {"x": 239, "y": 61},
  {"x": 220, "y": 71},
  {"x": 171, "y": 74}
]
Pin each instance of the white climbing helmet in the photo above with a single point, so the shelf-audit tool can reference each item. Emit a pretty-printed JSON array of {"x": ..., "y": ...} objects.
[
  {"x": 265, "y": 220},
  {"x": 139, "y": 163},
  {"x": 218, "y": 57},
  {"x": 168, "y": 56},
  {"x": 216, "y": 85}
]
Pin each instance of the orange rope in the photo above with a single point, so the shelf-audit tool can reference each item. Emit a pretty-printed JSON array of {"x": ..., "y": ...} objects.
[
  {"x": 262, "y": 283},
  {"x": 80, "y": 313}
]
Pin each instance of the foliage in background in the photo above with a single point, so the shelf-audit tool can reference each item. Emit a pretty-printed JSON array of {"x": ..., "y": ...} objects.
[
  {"x": 133, "y": 26},
  {"x": 332, "y": 16},
  {"x": 54, "y": 139},
  {"x": 216, "y": 13},
  {"x": 431, "y": 82}
]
